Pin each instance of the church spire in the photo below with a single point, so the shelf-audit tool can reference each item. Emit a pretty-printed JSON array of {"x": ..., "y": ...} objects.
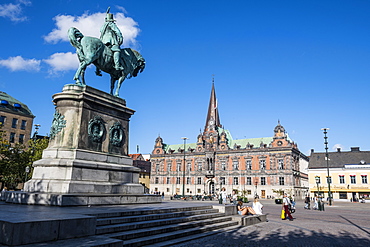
[{"x": 213, "y": 118}]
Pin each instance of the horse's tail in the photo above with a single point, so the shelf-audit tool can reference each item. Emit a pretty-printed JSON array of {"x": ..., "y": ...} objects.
[{"x": 75, "y": 37}]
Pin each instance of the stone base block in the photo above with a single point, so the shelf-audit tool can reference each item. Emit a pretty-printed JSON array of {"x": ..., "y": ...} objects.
[
  {"x": 248, "y": 220},
  {"x": 18, "y": 231},
  {"x": 227, "y": 209},
  {"x": 55, "y": 199}
]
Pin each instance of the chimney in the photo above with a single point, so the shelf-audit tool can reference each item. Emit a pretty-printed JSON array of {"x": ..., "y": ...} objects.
[
  {"x": 338, "y": 150},
  {"x": 355, "y": 149},
  {"x": 312, "y": 150}
]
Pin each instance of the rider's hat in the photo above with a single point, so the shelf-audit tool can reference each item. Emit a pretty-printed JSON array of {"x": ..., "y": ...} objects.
[{"x": 109, "y": 17}]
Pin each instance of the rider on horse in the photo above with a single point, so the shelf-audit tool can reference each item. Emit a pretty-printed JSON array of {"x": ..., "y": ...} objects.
[{"x": 112, "y": 37}]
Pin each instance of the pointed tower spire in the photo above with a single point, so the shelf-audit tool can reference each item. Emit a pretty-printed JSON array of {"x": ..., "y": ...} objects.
[{"x": 213, "y": 118}]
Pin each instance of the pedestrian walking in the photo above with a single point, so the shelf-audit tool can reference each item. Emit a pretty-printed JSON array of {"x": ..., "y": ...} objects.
[
  {"x": 316, "y": 205},
  {"x": 307, "y": 201},
  {"x": 286, "y": 203}
]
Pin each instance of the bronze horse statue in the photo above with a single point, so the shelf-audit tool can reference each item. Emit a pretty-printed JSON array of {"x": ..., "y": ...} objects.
[{"x": 91, "y": 50}]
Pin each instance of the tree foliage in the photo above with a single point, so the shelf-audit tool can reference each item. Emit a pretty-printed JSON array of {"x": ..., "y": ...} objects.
[{"x": 15, "y": 158}]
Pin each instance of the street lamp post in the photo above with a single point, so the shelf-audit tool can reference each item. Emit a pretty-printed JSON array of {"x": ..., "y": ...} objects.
[
  {"x": 327, "y": 162},
  {"x": 317, "y": 178},
  {"x": 183, "y": 172}
]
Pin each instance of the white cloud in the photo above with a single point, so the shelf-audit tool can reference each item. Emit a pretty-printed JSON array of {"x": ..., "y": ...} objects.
[
  {"x": 14, "y": 11},
  {"x": 89, "y": 25},
  {"x": 18, "y": 63},
  {"x": 62, "y": 61}
]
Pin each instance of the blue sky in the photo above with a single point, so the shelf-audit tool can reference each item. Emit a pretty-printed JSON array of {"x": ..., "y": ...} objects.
[{"x": 305, "y": 63}]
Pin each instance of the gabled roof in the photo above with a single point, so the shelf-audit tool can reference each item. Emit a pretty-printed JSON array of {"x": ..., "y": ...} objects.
[
  {"x": 339, "y": 159},
  {"x": 136, "y": 156}
]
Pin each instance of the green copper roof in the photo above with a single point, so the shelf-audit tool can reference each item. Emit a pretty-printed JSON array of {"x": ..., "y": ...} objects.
[
  {"x": 256, "y": 142},
  {"x": 10, "y": 104}
]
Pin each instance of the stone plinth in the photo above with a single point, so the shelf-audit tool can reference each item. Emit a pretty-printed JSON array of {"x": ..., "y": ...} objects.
[{"x": 87, "y": 161}]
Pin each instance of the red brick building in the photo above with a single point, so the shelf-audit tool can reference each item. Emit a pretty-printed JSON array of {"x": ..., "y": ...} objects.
[{"x": 255, "y": 166}]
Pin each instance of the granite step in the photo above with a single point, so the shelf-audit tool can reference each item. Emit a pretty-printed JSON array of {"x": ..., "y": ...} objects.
[
  {"x": 142, "y": 211},
  {"x": 143, "y": 232},
  {"x": 152, "y": 223},
  {"x": 137, "y": 218},
  {"x": 155, "y": 239},
  {"x": 92, "y": 241},
  {"x": 180, "y": 240}
]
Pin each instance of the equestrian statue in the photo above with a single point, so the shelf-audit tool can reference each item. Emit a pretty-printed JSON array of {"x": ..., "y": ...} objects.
[{"x": 105, "y": 53}]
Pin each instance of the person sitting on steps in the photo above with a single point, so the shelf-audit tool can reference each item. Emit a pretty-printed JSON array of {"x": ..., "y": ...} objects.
[{"x": 244, "y": 210}]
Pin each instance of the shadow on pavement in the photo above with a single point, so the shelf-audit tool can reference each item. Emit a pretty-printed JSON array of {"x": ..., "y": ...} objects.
[{"x": 279, "y": 237}]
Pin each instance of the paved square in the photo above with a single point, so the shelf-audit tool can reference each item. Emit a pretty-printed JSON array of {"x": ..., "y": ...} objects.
[{"x": 343, "y": 224}]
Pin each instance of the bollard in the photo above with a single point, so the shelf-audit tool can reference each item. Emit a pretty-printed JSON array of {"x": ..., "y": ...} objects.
[{"x": 319, "y": 205}]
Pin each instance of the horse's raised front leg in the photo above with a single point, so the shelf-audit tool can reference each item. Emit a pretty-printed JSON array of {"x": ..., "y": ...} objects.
[{"x": 80, "y": 74}]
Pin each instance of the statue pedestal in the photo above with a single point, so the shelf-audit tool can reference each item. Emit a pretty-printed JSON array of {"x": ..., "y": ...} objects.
[{"x": 86, "y": 162}]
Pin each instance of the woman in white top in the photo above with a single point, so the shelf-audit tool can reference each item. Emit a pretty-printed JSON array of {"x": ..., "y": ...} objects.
[
  {"x": 223, "y": 195},
  {"x": 257, "y": 206}
]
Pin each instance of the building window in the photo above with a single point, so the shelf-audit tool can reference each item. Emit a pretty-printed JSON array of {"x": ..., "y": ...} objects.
[
  {"x": 156, "y": 180},
  {"x": 236, "y": 181},
  {"x": 364, "y": 179},
  {"x": 248, "y": 164},
  {"x": 281, "y": 164},
  {"x": 14, "y": 123},
  {"x": 143, "y": 175},
  {"x": 281, "y": 180},
  {"x": 178, "y": 167},
  {"x": 187, "y": 180},
  {"x": 263, "y": 181},
  {"x": 223, "y": 166},
  {"x": 12, "y": 137},
  {"x": 21, "y": 138},
  {"x": 188, "y": 167},
  {"x": 249, "y": 192},
  {"x": 199, "y": 180},
  {"x": 200, "y": 166},
  {"x": 341, "y": 179},
  {"x": 23, "y": 124},
  {"x": 235, "y": 165},
  {"x": 249, "y": 181},
  {"x": 222, "y": 181},
  {"x": 168, "y": 180},
  {"x": 2, "y": 120},
  {"x": 353, "y": 179},
  {"x": 178, "y": 180},
  {"x": 169, "y": 166},
  {"x": 342, "y": 195},
  {"x": 157, "y": 167},
  {"x": 328, "y": 180},
  {"x": 263, "y": 164}
]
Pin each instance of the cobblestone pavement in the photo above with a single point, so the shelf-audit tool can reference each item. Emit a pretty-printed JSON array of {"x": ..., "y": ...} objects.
[{"x": 343, "y": 224}]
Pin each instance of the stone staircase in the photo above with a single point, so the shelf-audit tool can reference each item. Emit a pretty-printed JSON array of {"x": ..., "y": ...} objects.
[
  {"x": 162, "y": 227},
  {"x": 153, "y": 227}
]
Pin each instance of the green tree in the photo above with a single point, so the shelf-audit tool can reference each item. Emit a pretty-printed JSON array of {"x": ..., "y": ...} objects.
[{"x": 15, "y": 158}]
